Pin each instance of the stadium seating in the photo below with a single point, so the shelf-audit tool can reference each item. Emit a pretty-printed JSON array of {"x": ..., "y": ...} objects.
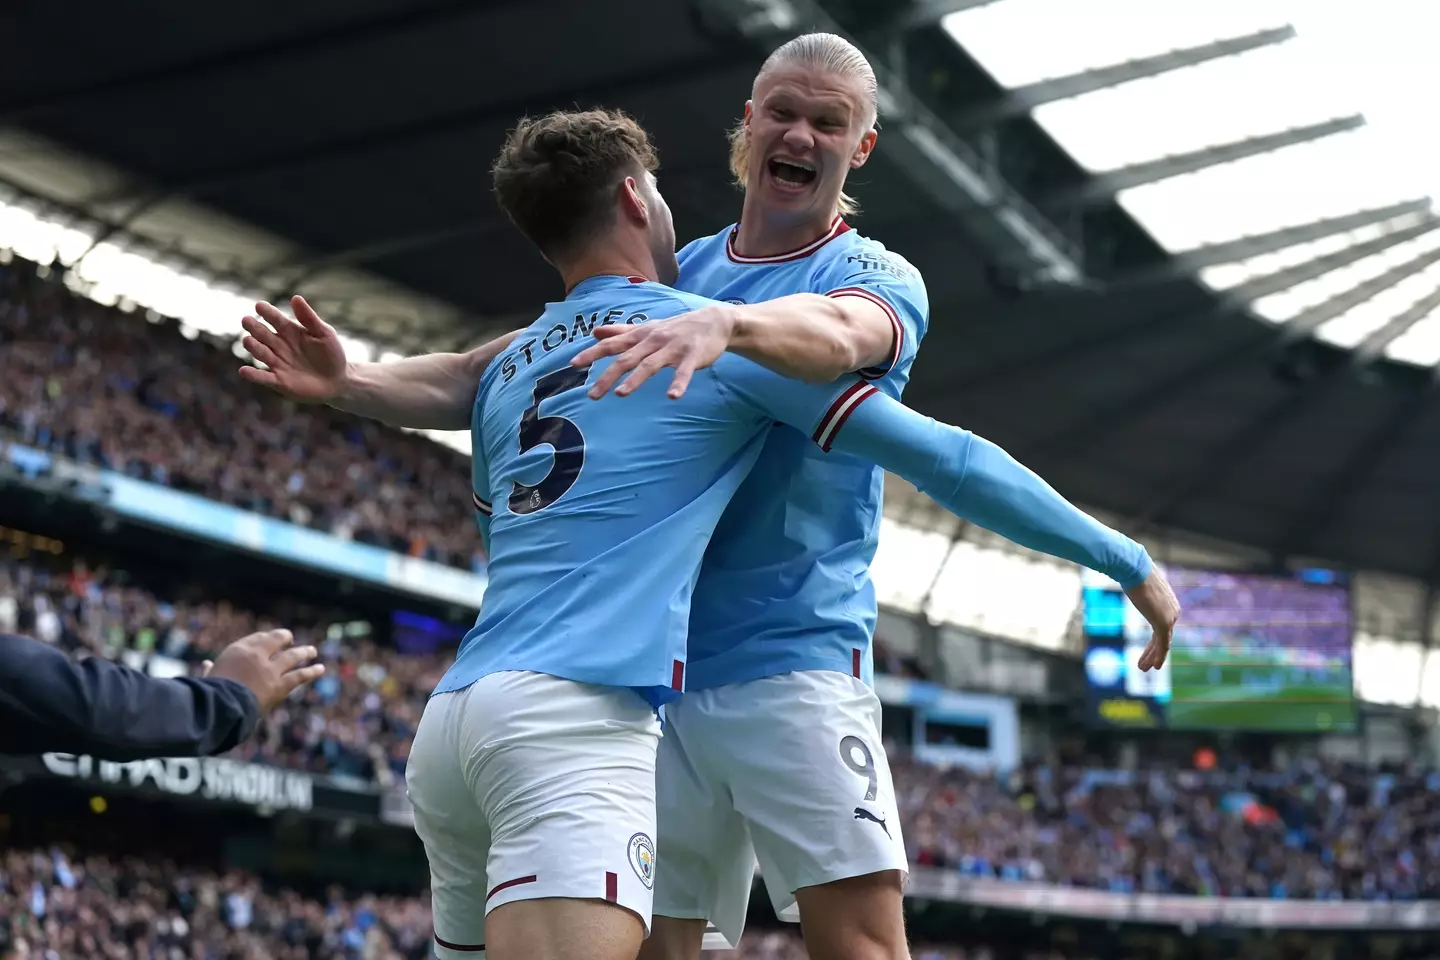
[
  {"x": 55, "y": 899},
  {"x": 105, "y": 387},
  {"x": 56, "y": 902}
]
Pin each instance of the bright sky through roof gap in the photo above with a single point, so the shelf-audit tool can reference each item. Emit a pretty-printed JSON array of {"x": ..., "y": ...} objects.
[{"x": 1374, "y": 58}]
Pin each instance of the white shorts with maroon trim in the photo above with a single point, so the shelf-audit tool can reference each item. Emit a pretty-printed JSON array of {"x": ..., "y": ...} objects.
[
  {"x": 528, "y": 786},
  {"x": 788, "y": 771}
]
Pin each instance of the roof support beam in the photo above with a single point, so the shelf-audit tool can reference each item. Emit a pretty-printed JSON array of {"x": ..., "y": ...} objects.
[
  {"x": 1255, "y": 245},
  {"x": 1070, "y": 437},
  {"x": 1308, "y": 321},
  {"x": 127, "y": 220},
  {"x": 1215, "y": 463},
  {"x": 1038, "y": 364},
  {"x": 929, "y": 595},
  {"x": 1370, "y": 349},
  {"x": 1024, "y": 99},
  {"x": 1288, "y": 277},
  {"x": 1111, "y": 182}
]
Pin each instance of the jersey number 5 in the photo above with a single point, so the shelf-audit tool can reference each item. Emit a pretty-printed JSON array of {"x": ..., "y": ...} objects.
[{"x": 561, "y": 434}]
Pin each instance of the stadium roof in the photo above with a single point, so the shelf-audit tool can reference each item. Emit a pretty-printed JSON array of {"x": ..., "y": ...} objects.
[{"x": 1169, "y": 264}]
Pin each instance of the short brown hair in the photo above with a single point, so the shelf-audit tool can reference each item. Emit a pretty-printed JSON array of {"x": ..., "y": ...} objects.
[{"x": 555, "y": 177}]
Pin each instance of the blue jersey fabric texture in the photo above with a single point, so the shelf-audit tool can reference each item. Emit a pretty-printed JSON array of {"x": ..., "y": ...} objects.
[{"x": 785, "y": 583}]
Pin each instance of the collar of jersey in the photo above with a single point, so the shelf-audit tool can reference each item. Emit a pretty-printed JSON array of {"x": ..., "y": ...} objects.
[
  {"x": 837, "y": 227},
  {"x": 600, "y": 282}
]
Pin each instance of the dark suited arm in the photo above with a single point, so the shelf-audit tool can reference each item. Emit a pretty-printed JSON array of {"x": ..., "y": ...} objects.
[{"x": 49, "y": 704}]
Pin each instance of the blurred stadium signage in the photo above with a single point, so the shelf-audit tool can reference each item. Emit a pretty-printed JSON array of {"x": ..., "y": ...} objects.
[
  {"x": 212, "y": 778},
  {"x": 193, "y": 516}
]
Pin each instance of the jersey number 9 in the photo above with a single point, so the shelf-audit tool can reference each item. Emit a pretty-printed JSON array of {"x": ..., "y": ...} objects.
[{"x": 561, "y": 434}]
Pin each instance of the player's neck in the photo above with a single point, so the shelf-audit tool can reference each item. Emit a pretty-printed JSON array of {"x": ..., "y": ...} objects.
[
  {"x": 766, "y": 234},
  {"x": 607, "y": 263}
]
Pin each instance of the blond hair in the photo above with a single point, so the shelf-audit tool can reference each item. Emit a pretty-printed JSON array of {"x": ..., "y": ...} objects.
[{"x": 824, "y": 52}]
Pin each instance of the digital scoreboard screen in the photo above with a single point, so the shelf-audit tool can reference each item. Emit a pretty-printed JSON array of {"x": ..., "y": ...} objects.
[{"x": 1252, "y": 652}]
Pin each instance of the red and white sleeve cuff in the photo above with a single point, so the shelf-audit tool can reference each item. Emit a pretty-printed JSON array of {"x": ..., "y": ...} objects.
[{"x": 876, "y": 372}]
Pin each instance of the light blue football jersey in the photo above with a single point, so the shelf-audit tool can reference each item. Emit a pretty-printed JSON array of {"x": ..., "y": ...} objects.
[
  {"x": 785, "y": 583},
  {"x": 596, "y": 514}
]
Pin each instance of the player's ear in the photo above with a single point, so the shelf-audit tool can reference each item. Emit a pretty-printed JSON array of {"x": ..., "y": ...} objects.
[
  {"x": 749, "y": 106},
  {"x": 632, "y": 204},
  {"x": 863, "y": 149}
]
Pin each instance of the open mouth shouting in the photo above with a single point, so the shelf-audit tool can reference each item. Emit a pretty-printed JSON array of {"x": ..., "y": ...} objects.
[{"x": 790, "y": 176}]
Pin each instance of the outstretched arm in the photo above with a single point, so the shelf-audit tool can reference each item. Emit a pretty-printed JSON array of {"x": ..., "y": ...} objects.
[
  {"x": 968, "y": 475},
  {"x": 307, "y": 362},
  {"x": 50, "y": 704},
  {"x": 435, "y": 391},
  {"x": 867, "y": 314},
  {"x": 975, "y": 479},
  {"x": 807, "y": 336}
]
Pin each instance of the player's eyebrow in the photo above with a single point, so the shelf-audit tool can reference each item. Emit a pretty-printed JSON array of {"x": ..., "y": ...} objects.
[{"x": 837, "y": 105}]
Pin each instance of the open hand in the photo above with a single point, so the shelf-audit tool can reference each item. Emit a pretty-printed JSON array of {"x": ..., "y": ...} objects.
[
  {"x": 268, "y": 665},
  {"x": 689, "y": 342},
  {"x": 1157, "y": 603},
  {"x": 305, "y": 356}
]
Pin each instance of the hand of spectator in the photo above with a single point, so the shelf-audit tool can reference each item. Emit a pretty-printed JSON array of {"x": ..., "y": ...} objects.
[
  {"x": 305, "y": 356},
  {"x": 268, "y": 665},
  {"x": 1157, "y": 604}
]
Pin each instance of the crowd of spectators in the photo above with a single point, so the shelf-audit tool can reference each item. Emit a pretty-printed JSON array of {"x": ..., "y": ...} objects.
[
  {"x": 356, "y": 722},
  {"x": 55, "y": 903},
  {"x": 111, "y": 389},
  {"x": 1310, "y": 831}
]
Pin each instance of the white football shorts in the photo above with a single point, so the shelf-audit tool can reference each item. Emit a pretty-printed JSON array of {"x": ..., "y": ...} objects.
[
  {"x": 787, "y": 770},
  {"x": 528, "y": 786}
]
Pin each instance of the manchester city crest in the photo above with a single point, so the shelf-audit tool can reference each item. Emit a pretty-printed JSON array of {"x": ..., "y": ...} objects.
[{"x": 642, "y": 858}]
